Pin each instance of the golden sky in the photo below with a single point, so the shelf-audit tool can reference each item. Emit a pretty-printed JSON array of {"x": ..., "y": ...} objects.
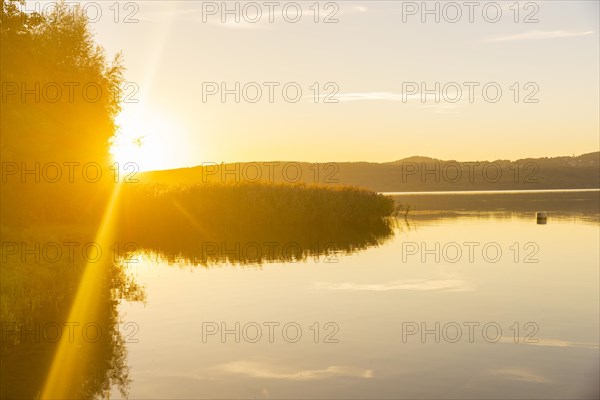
[{"x": 177, "y": 52}]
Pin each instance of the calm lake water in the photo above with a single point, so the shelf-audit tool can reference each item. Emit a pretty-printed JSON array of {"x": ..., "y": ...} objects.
[{"x": 471, "y": 298}]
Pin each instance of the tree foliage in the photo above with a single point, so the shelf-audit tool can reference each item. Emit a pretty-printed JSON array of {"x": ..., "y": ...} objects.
[{"x": 60, "y": 94}]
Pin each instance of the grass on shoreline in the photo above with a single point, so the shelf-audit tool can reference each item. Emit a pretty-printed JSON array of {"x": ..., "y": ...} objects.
[{"x": 174, "y": 219}]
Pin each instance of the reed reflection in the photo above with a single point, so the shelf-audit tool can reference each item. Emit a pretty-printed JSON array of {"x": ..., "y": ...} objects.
[
  {"x": 581, "y": 207},
  {"x": 253, "y": 224}
]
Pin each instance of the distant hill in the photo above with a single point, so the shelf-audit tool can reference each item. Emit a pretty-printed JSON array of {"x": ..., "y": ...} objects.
[{"x": 411, "y": 174}]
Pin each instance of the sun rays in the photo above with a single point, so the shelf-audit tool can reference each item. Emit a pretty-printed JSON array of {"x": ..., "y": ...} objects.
[{"x": 74, "y": 354}]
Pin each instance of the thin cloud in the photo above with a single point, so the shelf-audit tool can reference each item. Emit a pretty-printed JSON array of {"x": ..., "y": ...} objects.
[
  {"x": 538, "y": 35},
  {"x": 388, "y": 96},
  {"x": 520, "y": 374},
  {"x": 262, "y": 371},
  {"x": 351, "y": 9},
  {"x": 239, "y": 25},
  {"x": 548, "y": 342},
  {"x": 408, "y": 284},
  {"x": 441, "y": 107}
]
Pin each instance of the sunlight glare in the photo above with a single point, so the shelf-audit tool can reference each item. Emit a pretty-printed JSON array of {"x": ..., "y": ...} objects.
[{"x": 146, "y": 140}]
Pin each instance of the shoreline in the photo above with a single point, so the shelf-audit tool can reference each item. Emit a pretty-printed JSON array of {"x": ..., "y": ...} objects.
[{"x": 474, "y": 192}]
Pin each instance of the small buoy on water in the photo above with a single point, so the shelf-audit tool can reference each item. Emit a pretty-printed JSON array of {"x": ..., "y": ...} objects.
[{"x": 541, "y": 217}]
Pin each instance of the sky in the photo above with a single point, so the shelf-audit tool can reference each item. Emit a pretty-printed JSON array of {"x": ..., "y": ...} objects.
[{"x": 363, "y": 77}]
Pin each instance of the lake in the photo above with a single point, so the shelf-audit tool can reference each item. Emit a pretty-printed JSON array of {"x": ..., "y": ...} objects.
[{"x": 470, "y": 298}]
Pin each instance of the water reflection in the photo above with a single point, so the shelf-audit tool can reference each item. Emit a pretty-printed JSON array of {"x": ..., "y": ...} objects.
[
  {"x": 368, "y": 291},
  {"x": 256, "y": 244},
  {"x": 30, "y": 341},
  {"x": 32, "y": 333},
  {"x": 561, "y": 206},
  {"x": 368, "y": 295},
  {"x": 260, "y": 248}
]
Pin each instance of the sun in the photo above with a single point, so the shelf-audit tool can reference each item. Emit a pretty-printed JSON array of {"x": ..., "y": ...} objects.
[{"x": 145, "y": 141}]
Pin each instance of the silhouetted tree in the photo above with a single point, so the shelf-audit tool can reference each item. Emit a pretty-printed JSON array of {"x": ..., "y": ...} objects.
[
  {"x": 71, "y": 114},
  {"x": 59, "y": 99}
]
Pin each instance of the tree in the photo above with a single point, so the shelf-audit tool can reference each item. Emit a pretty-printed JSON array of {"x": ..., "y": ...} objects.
[
  {"x": 59, "y": 99},
  {"x": 60, "y": 95}
]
